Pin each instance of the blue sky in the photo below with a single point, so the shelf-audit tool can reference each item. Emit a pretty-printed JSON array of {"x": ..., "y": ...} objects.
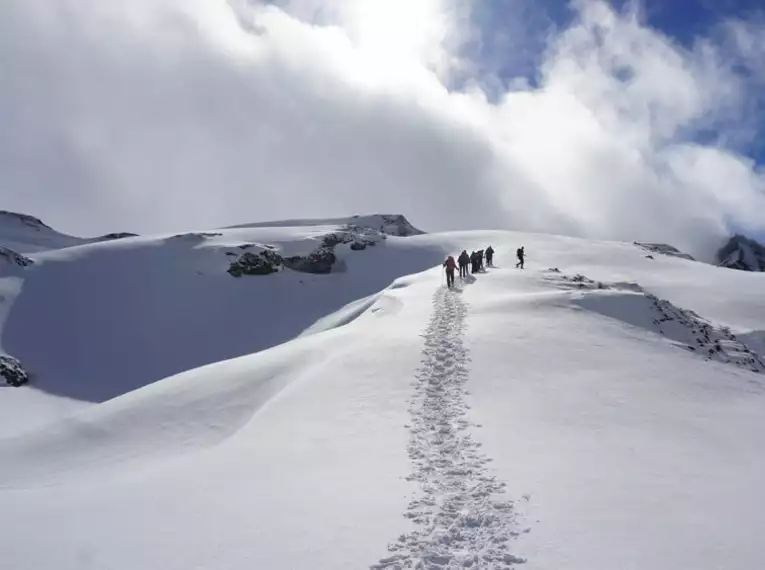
[{"x": 515, "y": 34}]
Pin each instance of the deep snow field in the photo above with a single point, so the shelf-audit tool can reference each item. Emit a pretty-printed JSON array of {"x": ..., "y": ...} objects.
[{"x": 597, "y": 410}]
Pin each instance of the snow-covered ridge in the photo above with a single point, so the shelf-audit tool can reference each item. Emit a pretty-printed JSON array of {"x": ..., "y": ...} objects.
[
  {"x": 664, "y": 249},
  {"x": 28, "y": 234},
  {"x": 390, "y": 224},
  {"x": 183, "y": 284},
  {"x": 25, "y": 219},
  {"x": 8, "y": 256}
]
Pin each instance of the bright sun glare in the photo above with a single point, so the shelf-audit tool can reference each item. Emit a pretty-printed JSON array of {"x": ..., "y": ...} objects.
[{"x": 390, "y": 31}]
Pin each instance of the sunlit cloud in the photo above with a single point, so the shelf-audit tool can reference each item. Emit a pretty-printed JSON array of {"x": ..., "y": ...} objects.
[{"x": 155, "y": 115}]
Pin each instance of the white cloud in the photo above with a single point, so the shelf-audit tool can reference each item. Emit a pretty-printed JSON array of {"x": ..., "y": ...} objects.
[{"x": 161, "y": 114}]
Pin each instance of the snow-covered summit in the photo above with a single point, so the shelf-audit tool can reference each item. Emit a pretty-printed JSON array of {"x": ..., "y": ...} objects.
[
  {"x": 742, "y": 253},
  {"x": 390, "y": 224},
  {"x": 7, "y": 217},
  {"x": 27, "y": 234}
]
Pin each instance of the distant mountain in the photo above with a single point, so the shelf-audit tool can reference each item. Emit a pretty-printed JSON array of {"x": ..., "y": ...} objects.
[
  {"x": 27, "y": 234},
  {"x": 390, "y": 224},
  {"x": 741, "y": 252},
  {"x": 664, "y": 249}
]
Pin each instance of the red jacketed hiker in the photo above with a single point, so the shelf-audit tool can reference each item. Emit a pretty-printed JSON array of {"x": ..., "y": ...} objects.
[{"x": 450, "y": 265}]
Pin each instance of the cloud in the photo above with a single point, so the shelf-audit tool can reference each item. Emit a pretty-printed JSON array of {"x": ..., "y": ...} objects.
[{"x": 154, "y": 115}]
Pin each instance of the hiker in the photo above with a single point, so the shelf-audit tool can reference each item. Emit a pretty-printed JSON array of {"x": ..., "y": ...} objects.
[
  {"x": 464, "y": 260},
  {"x": 450, "y": 266},
  {"x": 489, "y": 256},
  {"x": 473, "y": 262},
  {"x": 521, "y": 254},
  {"x": 480, "y": 259}
]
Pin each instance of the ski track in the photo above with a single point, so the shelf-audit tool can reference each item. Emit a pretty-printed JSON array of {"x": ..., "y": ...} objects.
[{"x": 459, "y": 519}]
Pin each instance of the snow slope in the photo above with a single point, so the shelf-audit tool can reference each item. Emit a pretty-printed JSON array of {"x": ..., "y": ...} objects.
[
  {"x": 396, "y": 225},
  {"x": 571, "y": 418},
  {"x": 26, "y": 234},
  {"x": 94, "y": 321}
]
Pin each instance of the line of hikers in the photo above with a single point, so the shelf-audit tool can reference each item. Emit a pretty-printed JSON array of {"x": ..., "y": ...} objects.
[{"x": 475, "y": 261}]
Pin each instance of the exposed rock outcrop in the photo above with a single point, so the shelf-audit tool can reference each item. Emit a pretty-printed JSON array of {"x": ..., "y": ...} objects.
[
  {"x": 319, "y": 261},
  {"x": 742, "y": 253},
  {"x": 116, "y": 235},
  {"x": 390, "y": 224},
  {"x": 263, "y": 263},
  {"x": 12, "y": 371},
  {"x": 9, "y": 256},
  {"x": 664, "y": 249},
  {"x": 322, "y": 260},
  {"x": 195, "y": 236}
]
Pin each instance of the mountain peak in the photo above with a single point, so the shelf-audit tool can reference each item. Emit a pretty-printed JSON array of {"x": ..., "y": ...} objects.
[
  {"x": 25, "y": 219},
  {"x": 391, "y": 224},
  {"x": 741, "y": 252}
]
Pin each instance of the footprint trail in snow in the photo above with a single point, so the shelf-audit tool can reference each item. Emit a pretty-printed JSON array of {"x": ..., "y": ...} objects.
[{"x": 460, "y": 520}]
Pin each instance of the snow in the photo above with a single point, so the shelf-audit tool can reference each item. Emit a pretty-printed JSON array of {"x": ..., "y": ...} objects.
[
  {"x": 567, "y": 415},
  {"x": 396, "y": 225},
  {"x": 26, "y": 234},
  {"x": 100, "y": 320}
]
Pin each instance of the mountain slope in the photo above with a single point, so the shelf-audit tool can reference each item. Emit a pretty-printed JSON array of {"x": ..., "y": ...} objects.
[
  {"x": 391, "y": 224},
  {"x": 91, "y": 322},
  {"x": 26, "y": 234},
  {"x": 742, "y": 253},
  {"x": 565, "y": 415}
]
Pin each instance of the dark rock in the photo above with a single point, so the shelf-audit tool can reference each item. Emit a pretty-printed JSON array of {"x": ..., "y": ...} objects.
[
  {"x": 742, "y": 253},
  {"x": 116, "y": 235},
  {"x": 322, "y": 260},
  {"x": 14, "y": 257},
  {"x": 195, "y": 236},
  {"x": 331, "y": 240},
  {"x": 664, "y": 249},
  {"x": 263, "y": 263},
  {"x": 319, "y": 261},
  {"x": 12, "y": 371},
  {"x": 398, "y": 225}
]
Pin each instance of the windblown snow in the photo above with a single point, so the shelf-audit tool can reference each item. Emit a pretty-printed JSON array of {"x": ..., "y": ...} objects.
[{"x": 341, "y": 408}]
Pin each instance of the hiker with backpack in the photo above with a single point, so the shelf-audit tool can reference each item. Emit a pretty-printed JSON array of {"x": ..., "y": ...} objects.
[
  {"x": 474, "y": 262},
  {"x": 464, "y": 261},
  {"x": 521, "y": 255},
  {"x": 450, "y": 266},
  {"x": 489, "y": 256}
]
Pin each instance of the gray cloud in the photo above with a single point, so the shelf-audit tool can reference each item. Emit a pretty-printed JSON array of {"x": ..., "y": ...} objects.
[{"x": 159, "y": 115}]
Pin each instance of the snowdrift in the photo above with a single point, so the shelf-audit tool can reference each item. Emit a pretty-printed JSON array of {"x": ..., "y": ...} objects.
[{"x": 93, "y": 321}]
